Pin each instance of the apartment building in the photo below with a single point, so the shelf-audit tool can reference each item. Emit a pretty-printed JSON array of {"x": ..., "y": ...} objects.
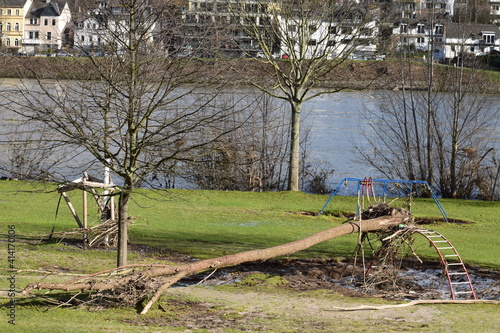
[{"x": 12, "y": 14}]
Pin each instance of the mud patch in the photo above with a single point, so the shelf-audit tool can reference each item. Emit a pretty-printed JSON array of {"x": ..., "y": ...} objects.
[
  {"x": 415, "y": 281},
  {"x": 199, "y": 315}
]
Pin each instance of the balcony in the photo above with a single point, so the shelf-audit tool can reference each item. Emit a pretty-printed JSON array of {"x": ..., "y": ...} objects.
[{"x": 29, "y": 41}]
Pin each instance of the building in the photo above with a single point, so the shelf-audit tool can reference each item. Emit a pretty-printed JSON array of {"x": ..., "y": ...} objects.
[
  {"x": 336, "y": 36},
  {"x": 495, "y": 11},
  {"x": 12, "y": 14},
  {"x": 420, "y": 36},
  {"x": 47, "y": 27},
  {"x": 210, "y": 26},
  {"x": 105, "y": 26},
  {"x": 445, "y": 39},
  {"x": 472, "y": 39}
]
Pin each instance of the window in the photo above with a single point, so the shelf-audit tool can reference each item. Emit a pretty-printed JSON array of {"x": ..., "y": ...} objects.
[
  {"x": 1, "y": 11},
  {"x": 1, "y": 26},
  {"x": 16, "y": 27},
  {"x": 420, "y": 40},
  {"x": 366, "y": 32},
  {"x": 9, "y": 12},
  {"x": 83, "y": 38},
  {"x": 438, "y": 30},
  {"x": 403, "y": 28},
  {"x": 345, "y": 30},
  {"x": 16, "y": 42},
  {"x": 312, "y": 42},
  {"x": 49, "y": 35},
  {"x": 7, "y": 42},
  {"x": 33, "y": 35},
  {"x": 489, "y": 39},
  {"x": 420, "y": 29},
  {"x": 53, "y": 21},
  {"x": 292, "y": 28},
  {"x": 332, "y": 30},
  {"x": 33, "y": 21},
  {"x": 46, "y": 22},
  {"x": 17, "y": 12},
  {"x": 330, "y": 43},
  {"x": 8, "y": 26}
]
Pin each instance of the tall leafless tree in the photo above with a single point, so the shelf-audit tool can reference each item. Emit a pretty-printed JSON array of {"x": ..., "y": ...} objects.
[
  {"x": 315, "y": 37},
  {"x": 134, "y": 109}
]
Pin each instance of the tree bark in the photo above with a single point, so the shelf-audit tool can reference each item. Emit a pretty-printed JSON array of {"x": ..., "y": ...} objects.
[{"x": 294, "y": 167}]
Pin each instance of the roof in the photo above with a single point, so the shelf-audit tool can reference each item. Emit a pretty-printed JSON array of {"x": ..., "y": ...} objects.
[
  {"x": 460, "y": 30},
  {"x": 41, "y": 8},
  {"x": 12, "y": 3}
]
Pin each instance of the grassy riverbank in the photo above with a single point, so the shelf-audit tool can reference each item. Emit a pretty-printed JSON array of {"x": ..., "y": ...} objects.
[
  {"x": 351, "y": 74},
  {"x": 203, "y": 224}
]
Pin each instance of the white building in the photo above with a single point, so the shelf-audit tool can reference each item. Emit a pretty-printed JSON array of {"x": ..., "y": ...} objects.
[
  {"x": 46, "y": 26},
  {"x": 349, "y": 37},
  {"x": 495, "y": 11},
  {"x": 105, "y": 26},
  {"x": 475, "y": 39},
  {"x": 445, "y": 39}
]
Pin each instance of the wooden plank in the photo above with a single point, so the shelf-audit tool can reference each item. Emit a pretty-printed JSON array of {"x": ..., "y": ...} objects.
[{"x": 72, "y": 209}]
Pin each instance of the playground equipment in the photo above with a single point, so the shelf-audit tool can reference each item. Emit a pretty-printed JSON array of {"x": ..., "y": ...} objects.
[
  {"x": 366, "y": 189},
  {"x": 459, "y": 282}
]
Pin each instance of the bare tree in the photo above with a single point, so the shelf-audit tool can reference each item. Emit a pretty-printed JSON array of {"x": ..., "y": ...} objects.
[
  {"x": 315, "y": 37},
  {"x": 441, "y": 137},
  {"x": 132, "y": 109}
]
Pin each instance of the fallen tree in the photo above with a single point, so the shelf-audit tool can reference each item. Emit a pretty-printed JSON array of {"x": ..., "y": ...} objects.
[{"x": 150, "y": 281}]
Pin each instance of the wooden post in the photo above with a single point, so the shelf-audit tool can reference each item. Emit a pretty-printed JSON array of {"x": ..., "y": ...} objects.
[
  {"x": 85, "y": 208},
  {"x": 72, "y": 209}
]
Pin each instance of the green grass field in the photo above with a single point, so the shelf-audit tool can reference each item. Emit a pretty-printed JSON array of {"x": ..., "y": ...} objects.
[{"x": 206, "y": 224}]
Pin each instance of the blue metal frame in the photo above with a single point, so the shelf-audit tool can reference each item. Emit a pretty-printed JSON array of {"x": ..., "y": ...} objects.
[{"x": 385, "y": 182}]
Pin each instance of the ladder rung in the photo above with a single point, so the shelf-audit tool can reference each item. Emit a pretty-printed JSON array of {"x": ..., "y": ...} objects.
[
  {"x": 445, "y": 248},
  {"x": 460, "y": 283},
  {"x": 463, "y": 292},
  {"x": 434, "y": 236},
  {"x": 457, "y": 273},
  {"x": 455, "y": 264},
  {"x": 451, "y": 255},
  {"x": 440, "y": 241}
]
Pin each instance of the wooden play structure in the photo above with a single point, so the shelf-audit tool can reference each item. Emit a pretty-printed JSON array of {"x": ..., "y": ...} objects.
[{"x": 103, "y": 194}]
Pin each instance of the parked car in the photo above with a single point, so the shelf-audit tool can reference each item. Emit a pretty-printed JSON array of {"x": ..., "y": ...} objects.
[{"x": 63, "y": 54}]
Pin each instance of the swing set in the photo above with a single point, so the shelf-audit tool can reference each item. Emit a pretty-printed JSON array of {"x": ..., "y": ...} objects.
[{"x": 366, "y": 191}]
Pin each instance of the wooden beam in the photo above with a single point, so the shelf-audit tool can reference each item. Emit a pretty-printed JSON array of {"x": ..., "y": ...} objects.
[{"x": 72, "y": 209}]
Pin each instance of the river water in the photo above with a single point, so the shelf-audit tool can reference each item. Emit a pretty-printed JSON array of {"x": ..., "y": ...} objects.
[{"x": 336, "y": 123}]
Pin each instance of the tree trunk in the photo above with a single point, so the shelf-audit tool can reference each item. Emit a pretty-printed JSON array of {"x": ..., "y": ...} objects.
[
  {"x": 293, "y": 173},
  {"x": 122, "y": 254},
  {"x": 169, "y": 274}
]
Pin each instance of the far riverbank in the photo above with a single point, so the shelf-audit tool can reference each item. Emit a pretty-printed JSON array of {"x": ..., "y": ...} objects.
[{"x": 351, "y": 74}]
